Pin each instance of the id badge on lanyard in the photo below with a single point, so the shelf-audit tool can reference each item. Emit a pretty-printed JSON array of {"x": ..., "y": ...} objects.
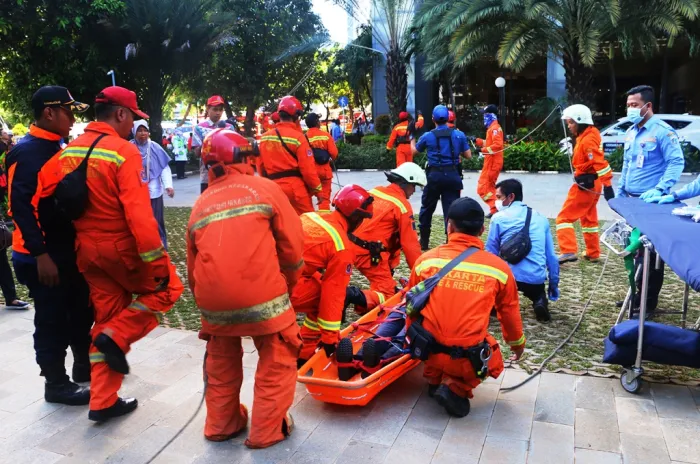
[{"x": 640, "y": 161}]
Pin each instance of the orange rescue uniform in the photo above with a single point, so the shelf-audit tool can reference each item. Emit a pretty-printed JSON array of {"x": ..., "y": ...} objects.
[
  {"x": 393, "y": 225},
  {"x": 323, "y": 140},
  {"x": 420, "y": 122},
  {"x": 582, "y": 205},
  {"x": 459, "y": 308},
  {"x": 401, "y": 139},
  {"x": 241, "y": 286},
  {"x": 292, "y": 168},
  {"x": 492, "y": 149},
  {"x": 321, "y": 290},
  {"x": 119, "y": 250}
]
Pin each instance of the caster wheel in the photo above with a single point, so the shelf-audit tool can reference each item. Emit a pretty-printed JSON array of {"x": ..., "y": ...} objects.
[{"x": 631, "y": 386}]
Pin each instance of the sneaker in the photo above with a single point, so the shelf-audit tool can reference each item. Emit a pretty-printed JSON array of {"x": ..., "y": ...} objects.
[
  {"x": 454, "y": 404},
  {"x": 17, "y": 304},
  {"x": 568, "y": 258},
  {"x": 121, "y": 407},
  {"x": 343, "y": 354}
]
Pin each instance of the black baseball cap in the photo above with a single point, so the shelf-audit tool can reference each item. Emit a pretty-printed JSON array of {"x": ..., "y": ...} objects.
[
  {"x": 466, "y": 212},
  {"x": 312, "y": 120},
  {"x": 490, "y": 109},
  {"x": 55, "y": 96}
]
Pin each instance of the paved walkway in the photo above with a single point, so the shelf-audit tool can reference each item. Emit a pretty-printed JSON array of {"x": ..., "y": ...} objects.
[
  {"x": 544, "y": 192},
  {"x": 554, "y": 419}
]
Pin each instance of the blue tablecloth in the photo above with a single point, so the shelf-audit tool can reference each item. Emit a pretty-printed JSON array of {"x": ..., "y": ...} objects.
[{"x": 676, "y": 239}]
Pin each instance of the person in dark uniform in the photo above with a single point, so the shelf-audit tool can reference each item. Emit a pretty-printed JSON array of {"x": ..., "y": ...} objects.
[
  {"x": 43, "y": 250},
  {"x": 445, "y": 148}
]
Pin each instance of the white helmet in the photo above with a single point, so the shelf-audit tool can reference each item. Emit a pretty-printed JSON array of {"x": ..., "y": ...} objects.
[
  {"x": 580, "y": 114},
  {"x": 411, "y": 173}
]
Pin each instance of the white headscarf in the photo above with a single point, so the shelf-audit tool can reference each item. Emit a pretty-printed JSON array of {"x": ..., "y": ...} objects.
[{"x": 140, "y": 123}]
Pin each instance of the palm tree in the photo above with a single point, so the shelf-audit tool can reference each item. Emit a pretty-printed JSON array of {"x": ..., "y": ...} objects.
[{"x": 390, "y": 24}]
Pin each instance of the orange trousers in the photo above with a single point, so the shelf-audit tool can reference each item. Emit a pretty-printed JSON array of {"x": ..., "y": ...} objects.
[
  {"x": 403, "y": 154},
  {"x": 486, "y": 187},
  {"x": 458, "y": 374},
  {"x": 580, "y": 205},
  {"x": 324, "y": 198},
  {"x": 114, "y": 271},
  {"x": 275, "y": 383},
  {"x": 306, "y": 298},
  {"x": 382, "y": 285},
  {"x": 298, "y": 194}
]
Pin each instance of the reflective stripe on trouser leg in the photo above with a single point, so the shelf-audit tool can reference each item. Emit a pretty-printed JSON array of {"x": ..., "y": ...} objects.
[
  {"x": 224, "y": 373},
  {"x": 566, "y": 236},
  {"x": 311, "y": 335}
]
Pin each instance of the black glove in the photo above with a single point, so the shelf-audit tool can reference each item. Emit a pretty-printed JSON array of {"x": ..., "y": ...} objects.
[
  {"x": 329, "y": 348},
  {"x": 472, "y": 139},
  {"x": 608, "y": 193}
]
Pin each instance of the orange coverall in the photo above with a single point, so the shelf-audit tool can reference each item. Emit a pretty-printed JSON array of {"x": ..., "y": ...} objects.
[
  {"x": 459, "y": 308},
  {"x": 403, "y": 148},
  {"x": 241, "y": 286},
  {"x": 392, "y": 223},
  {"x": 492, "y": 149},
  {"x": 296, "y": 174},
  {"x": 119, "y": 250},
  {"x": 420, "y": 122},
  {"x": 582, "y": 205},
  {"x": 321, "y": 290},
  {"x": 321, "y": 139}
]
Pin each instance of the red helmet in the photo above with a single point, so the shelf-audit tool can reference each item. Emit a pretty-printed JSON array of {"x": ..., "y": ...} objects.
[
  {"x": 353, "y": 200},
  {"x": 403, "y": 116},
  {"x": 226, "y": 146},
  {"x": 290, "y": 105},
  {"x": 451, "y": 116},
  {"x": 275, "y": 117}
]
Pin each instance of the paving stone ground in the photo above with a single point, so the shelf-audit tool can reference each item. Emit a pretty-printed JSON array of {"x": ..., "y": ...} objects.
[{"x": 556, "y": 418}]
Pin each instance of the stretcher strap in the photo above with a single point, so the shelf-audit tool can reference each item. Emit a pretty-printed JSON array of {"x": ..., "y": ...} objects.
[
  {"x": 359, "y": 365},
  {"x": 363, "y": 326}
]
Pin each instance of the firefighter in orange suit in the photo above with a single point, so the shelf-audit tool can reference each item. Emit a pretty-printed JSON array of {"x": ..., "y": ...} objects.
[
  {"x": 241, "y": 286},
  {"x": 492, "y": 150},
  {"x": 322, "y": 142},
  {"x": 420, "y": 121},
  {"x": 451, "y": 119},
  {"x": 378, "y": 242},
  {"x": 328, "y": 259},
  {"x": 119, "y": 250},
  {"x": 457, "y": 313},
  {"x": 401, "y": 139},
  {"x": 592, "y": 175},
  {"x": 286, "y": 158}
]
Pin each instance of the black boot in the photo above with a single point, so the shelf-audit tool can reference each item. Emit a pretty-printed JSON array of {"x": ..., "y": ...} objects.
[
  {"x": 66, "y": 392},
  {"x": 425, "y": 239},
  {"x": 121, "y": 407},
  {"x": 454, "y": 404},
  {"x": 354, "y": 295},
  {"x": 343, "y": 354},
  {"x": 541, "y": 307},
  {"x": 81, "y": 371},
  {"x": 370, "y": 356},
  {"x": 114, "y": 356}
]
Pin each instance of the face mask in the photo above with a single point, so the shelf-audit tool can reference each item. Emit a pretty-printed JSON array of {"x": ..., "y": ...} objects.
[
  {"x": 488, "y": 119},
  {"x": 499, "y": 205},
  {"x": 635, "y": 115}
]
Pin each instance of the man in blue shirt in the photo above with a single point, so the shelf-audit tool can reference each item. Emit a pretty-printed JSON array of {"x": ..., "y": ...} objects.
[
  {"x": 445, "y": 147},
  {"x": 530, "y": 273},
  {"x": 653, "y": 163}
]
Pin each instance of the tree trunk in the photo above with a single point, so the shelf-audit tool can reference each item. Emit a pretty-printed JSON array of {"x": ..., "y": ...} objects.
[
  {"x": 368, "y": 89},
  {"x": 613, "y": 90},
  {"x": 396, "y": 82},
  {"x": 249, "y": 121},
  {"x": 663, "y": 93},
  {"x": 187, "y": 113},
  {"x": 578, "y": 82},
  {"x": 227, "y": 109}
]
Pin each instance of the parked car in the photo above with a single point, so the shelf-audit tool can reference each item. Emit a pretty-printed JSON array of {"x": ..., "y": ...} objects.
[{"x": 687, "y": 126}]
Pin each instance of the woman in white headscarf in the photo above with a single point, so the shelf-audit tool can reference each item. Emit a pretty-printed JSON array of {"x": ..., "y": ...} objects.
[{"x": 156, "y": 173}]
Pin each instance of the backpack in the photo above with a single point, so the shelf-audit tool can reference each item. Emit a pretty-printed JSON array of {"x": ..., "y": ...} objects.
[
  {"x": 516, "y": 248},
  {"x": 71, "y": 195}
]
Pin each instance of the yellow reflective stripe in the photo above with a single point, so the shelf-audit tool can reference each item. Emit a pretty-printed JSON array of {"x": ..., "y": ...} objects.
[
  {"x": 318, "y": 138},
  {"x": 565, "y": 225},
  {"x": 474, "y": 268},
  {"x": 150, "y": 256},
  {"x": 488, "y": 150},
  {"x": 487, "y": 196},
  {"x": 257, "y": 313},
  {"x": 393, "y": 200},
  {"x": 110, "y": 156},
  {"x": 97, "y": 357},
  {"x": 328, "y": 325},
  {"x": 590, "y": 230},
  {"x": 518, "y": 342},
  {"x": 337, "y": 241},
  {"x": 137, "y": 306},
  {"x": 274, "y": 138},
  {"x": 604, "y": 171},
  {"x": 380, "y": 295},
  {"x": 309, "y": 324},
  {"x": 264, "y": 209}
]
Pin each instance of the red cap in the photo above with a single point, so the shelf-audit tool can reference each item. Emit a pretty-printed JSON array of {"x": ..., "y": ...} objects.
[
  {"x": 215, "y": 100},
  {"x": 120, "y": 96},
  {"x": 403, "y": 116}
]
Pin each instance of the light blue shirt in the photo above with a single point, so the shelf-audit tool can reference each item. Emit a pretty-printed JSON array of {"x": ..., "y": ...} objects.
[
  {"x": 533, "y": 269},
  {"x": 336, "y": 132},
  {"x": 689, "y": 191},
  {"x": 653, "y": 158}
]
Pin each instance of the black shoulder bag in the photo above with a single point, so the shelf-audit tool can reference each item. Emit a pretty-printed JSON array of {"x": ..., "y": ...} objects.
[
  {"x": 71, "y": 195},
  {"x": 519, "y": 245},
  {"x": 321, "y": 156}
]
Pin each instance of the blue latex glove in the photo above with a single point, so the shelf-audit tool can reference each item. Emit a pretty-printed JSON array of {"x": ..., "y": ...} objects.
[
  {"x": 650, "y": 194},
  {"x": 666, "y": 199},
  {"x": 553, "y": 291}
]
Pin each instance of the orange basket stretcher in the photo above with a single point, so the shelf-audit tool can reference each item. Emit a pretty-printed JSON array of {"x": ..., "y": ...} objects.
[{"x": 320, "y": 373}]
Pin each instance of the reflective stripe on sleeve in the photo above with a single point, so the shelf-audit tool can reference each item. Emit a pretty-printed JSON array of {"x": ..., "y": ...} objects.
[
  {"x": 328, "y": 325},
  {"x": 150, "y": 256},
  {"x": 518, "y": 342},
  {"x": 335, "y": 236},
  {"x": 389, "y": 198}
]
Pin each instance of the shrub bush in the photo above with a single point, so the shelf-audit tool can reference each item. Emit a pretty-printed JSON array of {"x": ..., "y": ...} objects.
[
  {"x": 692, "y": 159},
  {"x": 382, "y": 125}
]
